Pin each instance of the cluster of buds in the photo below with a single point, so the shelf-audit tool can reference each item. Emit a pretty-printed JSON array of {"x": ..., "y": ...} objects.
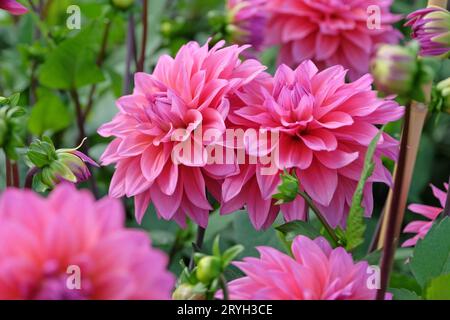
[
  {"x": 203, "y": 282},
  {"x": 56, "y": 165},
  {"x": 431, "y": 27},
  {"x": 441, "y": 97},
  {"x": 11, "y": 126}
]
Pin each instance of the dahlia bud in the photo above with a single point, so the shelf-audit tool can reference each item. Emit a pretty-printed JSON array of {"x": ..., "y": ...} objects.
[
  {"x": 395, "y": 68},
  {"x": 122, "y": 4},
  {"x": 247, "y": 20},
  {"x": 288, "y": 189},
  {"x": 443, "y": 89},
  {"x": 188, "y": 292},
  {"x": 431, "y": 27},
  {"x": 59, "y": 165},
  {"x": 12, "y": 127},
  {"x": 208, "y": 269}
]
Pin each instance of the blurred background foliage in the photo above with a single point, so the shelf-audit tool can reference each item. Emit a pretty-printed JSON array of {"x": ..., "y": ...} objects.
[{"x": 43, "y": 59}]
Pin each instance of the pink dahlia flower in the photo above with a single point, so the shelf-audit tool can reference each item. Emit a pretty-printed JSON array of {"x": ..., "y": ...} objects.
[
  {"x": 431, "y": 27},
  {"x": 13, "y": 7},
  {"x": 325, "y": 126},
  {"x": 45, "y": 240},
  {"x": 331, "y": 32},
  {"x": 184, "y": 95},
  {"x": 421, "y": 227},
  {"x": 316, "y": 272},
  {"x": 247, "y": 22}
]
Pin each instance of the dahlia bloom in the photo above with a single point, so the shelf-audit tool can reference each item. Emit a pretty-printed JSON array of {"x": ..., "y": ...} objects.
[
  {"x": 247, "y": 21},
  {"x": 167, "y": 109},
  {"x": 331, "y": 32},
  {"x": 45, "y": 240},
  {"x": 421, "y": 227},
  {"x": 431, "y": 27},
  {"x": 325, "y": 126},
  {"x": 316, "y": 272},
  {"x": 13, "y": 7}
]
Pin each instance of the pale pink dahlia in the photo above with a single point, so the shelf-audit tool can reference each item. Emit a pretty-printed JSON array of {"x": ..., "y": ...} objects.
[
  {"x": 316, "y": 272},
  {"x": 247, "y": 22},
  {"x": 71, "y": 247},
  {"x": 184, "y": 95},
  {"x": 421, "y": 227},
  {"x": 331, "y": 32},
  {"x": 325, "y": 126},
  {"x": 13, "y": 7}
]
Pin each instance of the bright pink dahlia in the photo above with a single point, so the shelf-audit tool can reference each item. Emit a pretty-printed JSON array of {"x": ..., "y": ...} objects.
[
  {"x": 421, "y": 227},
  {"x": 316, "y": 272},
  {"x": 247, "y": 22},
  {"x": 331, "y": 32},
  {"x": 325, "y": 127},
  {"x": 44, "y": 240},
  {"x": 13, "y": 7},
  {"x": 184, "y": 94}
]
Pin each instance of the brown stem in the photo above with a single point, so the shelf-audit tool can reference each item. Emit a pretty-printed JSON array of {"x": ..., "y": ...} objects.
[
  {"x": 141, "y": 62},
  {"x": 198, "y": 245},
  {"x": 29, "y": 177},
  {"x": 131, "y": 52},
  {"x": 100, "y": 60},
  {"x": 15, "y": 175},
  {"x": 8, "y": 172},
  {"x": 319, "y": 216},
  {"x": 82, "y": 135}
]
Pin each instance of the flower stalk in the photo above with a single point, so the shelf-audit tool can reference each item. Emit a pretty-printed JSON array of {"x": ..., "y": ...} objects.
[
  {"x": 141, "y": 62},
  {"x": 197, "y": 245}
]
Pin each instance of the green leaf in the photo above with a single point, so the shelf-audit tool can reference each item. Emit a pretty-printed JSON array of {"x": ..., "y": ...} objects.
[
  {"x": 354, "y": 234},
  {"x": 404, "y": 294},
  {"x": 216, "y": 246},
  {"x": 295, "y": 228},
  {"x": 230, "y": 254},
  {"x": 431, "y": 256},
  {"x": 439, "y": 288},
  {"x": 49, "y": 114},
  {"x": 72, "y": 64}
]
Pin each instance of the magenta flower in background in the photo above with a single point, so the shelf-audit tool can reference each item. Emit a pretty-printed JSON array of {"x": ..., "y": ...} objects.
[
  {"x": 45, "y": 240},
  {"x": 325, "y": 127},
  {"x": 431, "y": 27},
  {"x": 421, "y": 227},
  {"x": 183, "y": 93},
  {"x": 331, "y": 32},
  {"x": 316, "y": 272},
  {"x": 13, "y": 7},
  {"x": 247, "y": 22}
]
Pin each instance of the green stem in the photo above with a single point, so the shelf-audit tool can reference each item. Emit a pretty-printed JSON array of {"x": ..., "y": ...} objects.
[
  {"x": 223, "y": 285},
  {"x": 321, "y": 218}
]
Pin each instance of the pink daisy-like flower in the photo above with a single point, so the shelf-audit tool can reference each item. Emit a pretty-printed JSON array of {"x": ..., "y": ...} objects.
[
  {"x": 421, "y": 227},
  {"x": 325, "y": 126},
  {"x": 316, "y": 272},
  {"x": 71, "y": 247},
  {"x": 331, "y": 32},
  {"x": 247, "y": 22},
  {"x": 431, "y": 27},
  {"x": 184, "y": 94},
  {"x": 13, "y": 7}
]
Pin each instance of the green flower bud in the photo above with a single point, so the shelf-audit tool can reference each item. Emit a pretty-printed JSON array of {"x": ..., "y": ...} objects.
[
  {"x": 208, "y": 269},
  {"x": 395, "y": 69},
  {"x": 187, "y": 292},
  {"x": 57, "y": 165},
  {"x": 443, "y": 89},
  {"x": 122, "y": 4},
  {"x": 288, "y": 189}
]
